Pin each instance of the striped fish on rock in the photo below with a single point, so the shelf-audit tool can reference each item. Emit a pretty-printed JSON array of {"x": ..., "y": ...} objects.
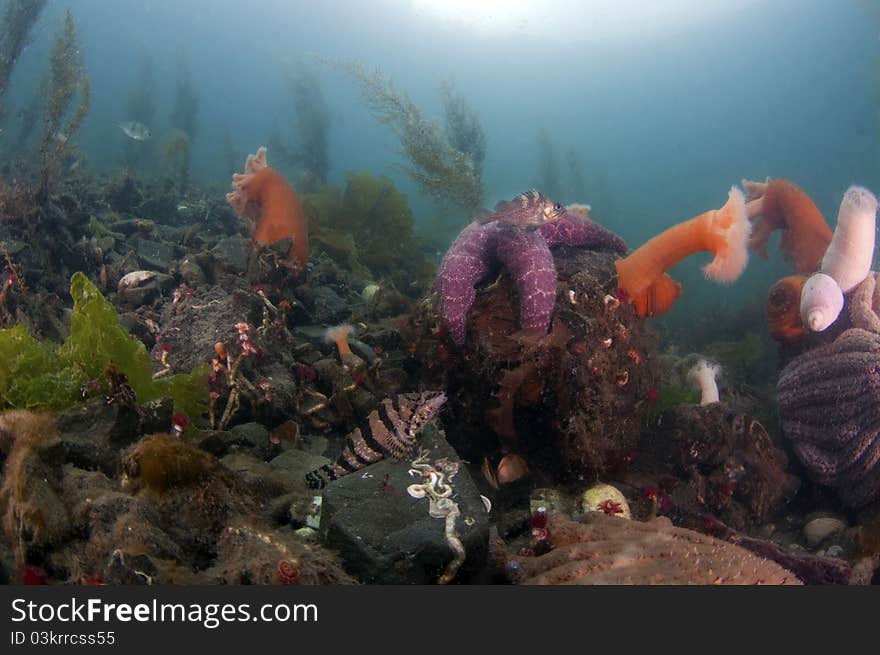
[{"x": 389, "y": 431}]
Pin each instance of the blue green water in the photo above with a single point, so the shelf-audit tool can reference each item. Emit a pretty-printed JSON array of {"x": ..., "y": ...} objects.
[{"x": 667, "y": 104}]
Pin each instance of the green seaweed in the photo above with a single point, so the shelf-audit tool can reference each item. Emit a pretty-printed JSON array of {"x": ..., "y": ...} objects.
[
  {"x": 31, "y": 376},
  {"x": 449, "y": 175},
  {"x": 67, "y": 78},
  {"x": 38, "y": 375},
  {"x": 670, "y": 396},
  {"x": 370, "y": 225}
]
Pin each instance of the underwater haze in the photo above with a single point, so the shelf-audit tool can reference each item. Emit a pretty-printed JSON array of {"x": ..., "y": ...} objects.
[
  {"x": 667, "y": 104},
  {"x": 312, "y": 216}
]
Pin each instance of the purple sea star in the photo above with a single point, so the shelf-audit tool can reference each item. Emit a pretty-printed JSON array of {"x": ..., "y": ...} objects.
[{"x": 526, "y": 255}]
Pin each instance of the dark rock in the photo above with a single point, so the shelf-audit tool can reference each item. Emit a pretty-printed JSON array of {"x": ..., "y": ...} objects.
[
  {"x": 93, "y": 434},
  {"x": 386, "y": 536},
  {"x": 254, "y": 437},
  {"x": 258, "y": 476},
  {"x": 329, "y": 307},
  {"x": 133, "y": 226},
  {"x": 123, "y": 194},
  {"x": 106, "y": 244},
  {"x": 155, "y": 254},
  {"x": 292, "y": 466},
  {"x": 232, "y": 253},
  {"x": 191, "y": 272}
]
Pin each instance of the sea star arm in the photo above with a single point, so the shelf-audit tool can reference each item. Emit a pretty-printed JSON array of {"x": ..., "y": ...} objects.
[
  {"x": 467, "y": 261},
  {"x": 572, "y": 230},
  {"x": 527, "y": 257}
]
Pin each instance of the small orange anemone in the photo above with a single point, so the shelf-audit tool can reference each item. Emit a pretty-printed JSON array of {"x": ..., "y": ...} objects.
[
  {"x": 778, "y": 204},
  {"x": 784, "y": 308},
  {"x": 723, "y": 232},
  {"x": 262, "y": 195},
  {"x": 339, "y": 336}
]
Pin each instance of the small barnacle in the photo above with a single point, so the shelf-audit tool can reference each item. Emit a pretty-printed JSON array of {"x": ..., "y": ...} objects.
[
  {"x": 572, "y": 297},
  {"x": 611, "y": 302},
  {"x": 634, "y": 355},
  {"x": 622, "y": 378},
  {"x": 622, "y": 332},
  {"x": 606, "y": 343}
]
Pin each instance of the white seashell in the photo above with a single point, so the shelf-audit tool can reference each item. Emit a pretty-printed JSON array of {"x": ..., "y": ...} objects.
[
  {"x": 135, "y": 279},
  {"x": 369, "y": 291},
  {"x": 817, "y": 530}
]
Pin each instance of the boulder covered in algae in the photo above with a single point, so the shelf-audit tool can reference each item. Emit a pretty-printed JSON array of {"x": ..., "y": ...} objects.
[
  {"x": 571, "y": 401},
  {"x": 167, "y": 512},
  {"x": 725, "y": 463}
]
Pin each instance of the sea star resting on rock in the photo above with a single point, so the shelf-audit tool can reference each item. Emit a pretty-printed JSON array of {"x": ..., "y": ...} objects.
[{"x": 525, "y": 254}]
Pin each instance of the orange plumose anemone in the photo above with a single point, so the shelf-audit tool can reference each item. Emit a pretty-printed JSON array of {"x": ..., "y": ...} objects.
[
  {"x": 724, "y": 232},
  {"x": 262, "y": 195}
]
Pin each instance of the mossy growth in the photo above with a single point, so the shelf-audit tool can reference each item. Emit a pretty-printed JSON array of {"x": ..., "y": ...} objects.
[
  {"x": 159, "y": 462},
  {"x": 38, "y": 375},
  {"x": 379, "y": 221}
]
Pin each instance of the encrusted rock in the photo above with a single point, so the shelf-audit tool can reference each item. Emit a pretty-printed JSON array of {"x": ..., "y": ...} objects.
[{"x": 610, "y": 550}]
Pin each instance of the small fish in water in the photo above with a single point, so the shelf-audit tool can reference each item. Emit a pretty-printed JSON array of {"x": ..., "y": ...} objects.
[
  {"x": 135, "y": 130},
  {"x": 529, "y": 209}
]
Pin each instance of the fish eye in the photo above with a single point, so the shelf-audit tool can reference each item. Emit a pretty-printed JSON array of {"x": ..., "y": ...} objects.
[{"x": 557, "y": 206}]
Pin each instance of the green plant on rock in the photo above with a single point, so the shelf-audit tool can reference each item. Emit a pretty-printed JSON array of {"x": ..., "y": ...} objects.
[
  {"x": 42, "y": 376},
  {"x": 66, "y": 78}
]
